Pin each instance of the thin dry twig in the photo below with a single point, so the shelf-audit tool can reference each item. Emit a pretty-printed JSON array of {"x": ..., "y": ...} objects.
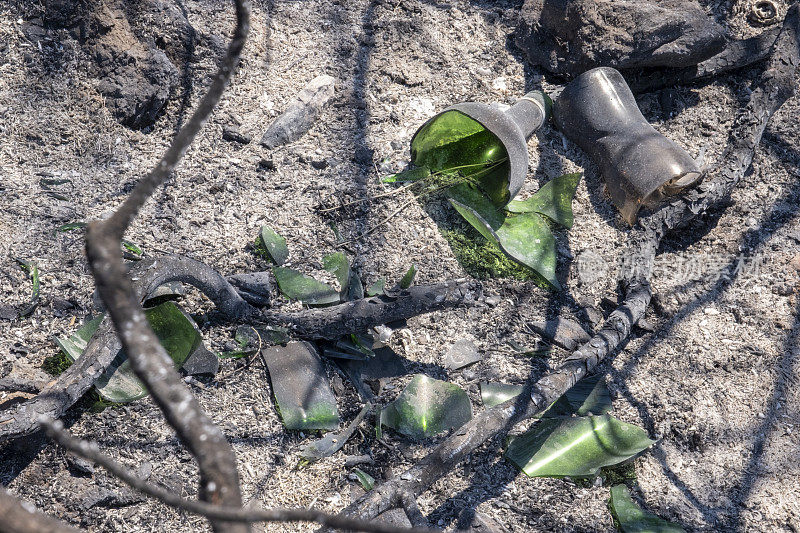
[
  {"x": 219, "y": 479},
  {"x": 379, "y": 225},
  {"x": 393, "y": 192},
  {"x": 90, "y": 451}
]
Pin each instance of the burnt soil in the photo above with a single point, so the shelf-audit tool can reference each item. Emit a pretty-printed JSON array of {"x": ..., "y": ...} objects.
[{"x": 715, "y": 383}]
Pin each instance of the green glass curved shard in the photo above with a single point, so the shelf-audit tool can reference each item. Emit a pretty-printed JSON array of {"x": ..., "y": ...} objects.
[
  {"x": 496, "y": 393},
  {"x": 377, "y": 287},
  {"x": 367, "y": 481},
  {"x": 576, "y": 447},
  {"x": 338, "y": 265},
  {"x": 525, "y": 237},
  {"x": 452, "y": 141},
  {"x": 408, "y": 277},
  {"x": 632, "y": 519},
  {"x": 175, "y": 330},
  {"x": 553, "y": 200},
  {"x": 272, "y": 246},
  {"x": 426, "y": 408}
]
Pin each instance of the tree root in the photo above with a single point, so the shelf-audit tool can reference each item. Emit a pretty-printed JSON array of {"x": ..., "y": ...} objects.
[
  {"x": 736, "y": 55},
  {"x": 776, "y": 85}
]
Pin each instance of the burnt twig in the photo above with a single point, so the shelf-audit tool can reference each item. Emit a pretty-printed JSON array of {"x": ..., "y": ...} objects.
[
  {"x": 89, "y": 451},
  {"x": 360, "y": 315},
  {"x": 219, "y": 480}
]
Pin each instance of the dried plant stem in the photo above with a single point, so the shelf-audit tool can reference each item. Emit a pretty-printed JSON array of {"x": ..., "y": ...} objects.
[
  {"x": 90, "y": 452},
  {"x": 219, "y": 480}
]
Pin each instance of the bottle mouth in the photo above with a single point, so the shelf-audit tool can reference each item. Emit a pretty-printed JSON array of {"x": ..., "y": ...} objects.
[{"x": 676, "y": 185}]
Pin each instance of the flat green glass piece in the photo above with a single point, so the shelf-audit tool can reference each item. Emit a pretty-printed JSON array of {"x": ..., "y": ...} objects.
[
  {"x": 632, "y": 519},
  {"x": 274, "y": 245},
  {"x": 426, "y": 408},
  {"x": 553, "y": 200},
  {"x": 297, "y": 286},
  {"x": 301, "y": 387},
  {"x": 576, "y": 447}
]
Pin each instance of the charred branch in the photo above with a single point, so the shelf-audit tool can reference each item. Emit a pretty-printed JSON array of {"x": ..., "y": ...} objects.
[
  {"x": 56, "y": 397},
  {"x": 737, "y": 54},
  {"x": 219, "y": 480},
  {"x": 360, "y": 315}
]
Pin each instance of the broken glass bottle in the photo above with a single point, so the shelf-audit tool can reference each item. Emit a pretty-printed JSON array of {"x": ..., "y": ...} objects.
[
  {"x": 640, "y": 166},
  {"x": 485, "y": 140}
]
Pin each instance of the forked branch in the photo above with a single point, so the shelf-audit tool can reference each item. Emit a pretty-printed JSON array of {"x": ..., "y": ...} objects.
[{"x": 219, "y": 479}]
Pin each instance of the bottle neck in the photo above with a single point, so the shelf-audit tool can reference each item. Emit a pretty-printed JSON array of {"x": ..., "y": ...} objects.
[{"x": 531, "y": 112}]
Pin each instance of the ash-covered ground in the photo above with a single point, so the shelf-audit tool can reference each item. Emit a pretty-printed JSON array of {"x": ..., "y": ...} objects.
[{"x": 715, "y": 383}]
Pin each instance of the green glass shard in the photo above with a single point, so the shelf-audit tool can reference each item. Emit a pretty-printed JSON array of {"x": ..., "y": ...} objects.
[
  {"x": 175, "y": 330},
  {"x": 74, "y": 345},
  {"x": 365, "y": 479},
  {"x": 576, "y": 447},
  {"x": 526, "y": 238},
  {"x": 338, "y": 265},
  {"x": 297, "y": 286},
  {"x": 408, "y": 277},
  {"x": 454, "y": 142},
  {"x": 411, "y": 174},
  {"x": 553, "y": 200},
  {"x": 301, "y": 387},
  {"x": 349, "y": 282},
  {"x": 131, "y": 247},
  {"x": 632, "y": 519},
  {"x": 377, "y": 287},
  {"x": 426, "y": 408},
  {"x": 332, "y": 442},
  {"x": 70, "y": 226},
  {"x": 356, "y": 289},
  {"x": 496, "y": 393},
  {"x": 272, "y": 246}
]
